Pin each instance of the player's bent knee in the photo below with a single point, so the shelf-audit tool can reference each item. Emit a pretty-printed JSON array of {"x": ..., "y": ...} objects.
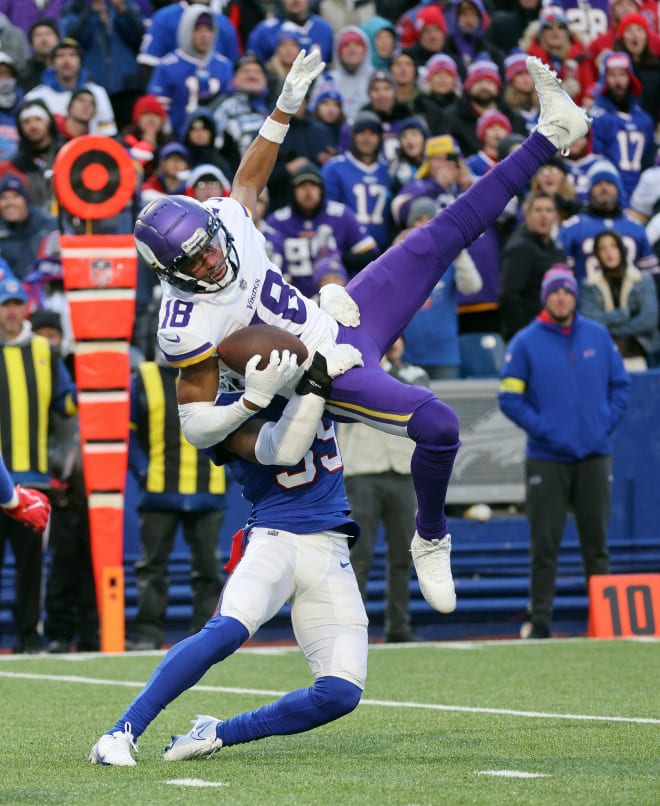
[
  {"x": 335, "y": 697},
  {"x": 434, "y": 423}
]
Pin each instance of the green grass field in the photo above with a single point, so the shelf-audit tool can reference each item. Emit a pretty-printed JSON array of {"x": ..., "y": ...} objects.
[{"x": 555, "y": 722}]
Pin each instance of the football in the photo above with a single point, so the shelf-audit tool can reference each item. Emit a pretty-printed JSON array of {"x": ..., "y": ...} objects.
[{"x": 239, "y": 347}]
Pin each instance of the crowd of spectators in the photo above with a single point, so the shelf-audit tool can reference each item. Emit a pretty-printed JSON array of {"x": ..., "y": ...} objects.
[{"x": 417, "y": 101}]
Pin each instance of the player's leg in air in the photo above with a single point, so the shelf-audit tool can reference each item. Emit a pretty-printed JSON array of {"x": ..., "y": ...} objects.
[{"x": 393, "y": 288}]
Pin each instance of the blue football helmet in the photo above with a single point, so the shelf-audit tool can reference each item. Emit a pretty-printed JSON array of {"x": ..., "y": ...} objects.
[{"x": 170, "y": 235}]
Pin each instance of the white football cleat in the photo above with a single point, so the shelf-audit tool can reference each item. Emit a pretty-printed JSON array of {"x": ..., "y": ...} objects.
[
  {"x": 114, "y": 749},
  {"x": 200, "y": 742},
  {"x": 561, "y": 120},
  {"x": 432, "y": 563}
]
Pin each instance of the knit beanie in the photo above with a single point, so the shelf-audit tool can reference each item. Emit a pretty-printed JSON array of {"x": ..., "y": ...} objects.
[{"x": 559, "y": 276}]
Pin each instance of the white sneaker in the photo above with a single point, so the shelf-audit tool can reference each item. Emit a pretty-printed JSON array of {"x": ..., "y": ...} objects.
[
  {"x": 561, "y": 120},
  {"x": 432, "y": 563},
  {"x": 200, "y": 742},
  {"x": 114, "y": 749}
]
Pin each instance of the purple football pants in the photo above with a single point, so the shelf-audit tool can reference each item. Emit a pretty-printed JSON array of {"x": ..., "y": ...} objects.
[{"x": 389, "y": 292}]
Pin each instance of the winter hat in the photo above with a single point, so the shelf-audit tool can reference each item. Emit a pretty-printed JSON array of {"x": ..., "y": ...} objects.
[
  {"x": 559, "y": 276},
  {"x": 34, "y": 109},
  {"x": 288, "y": 32},
  {"x": 482, "y": 68},
  {"x": 307, "y": 173},
  {"x": 413, "y": 123},
  {"x": 442, "y": 144},
  {"x": 492, "y": 117},
  {"x": 367, "y": 120},
  {"x": 350, "y": 36},
  {"x": 632, "y": 19},
  {"x": 551, "y": 14},
  {"x": 508, "y": 144},
  {"x": 424, "y": 206},
  {"x": 515, "y": 62},
  {"x": 174, "y": 148},
  {"x": 12, "y": 182},
  {"x": 604, "y": 171},
  {"x": 45, "y": 318},
  {"x": 615, "y": 59},
  {"x": 430, "y": 15},
  {"x": 382, "y": 75},
  {"x": 11, "y": 288},
  {"x": 5, "y": 58},
  {"x": 330, "y": 266},
  {"x": 441, "y": 62},
  {"x": 205, "y": 19},
  {"x": 207, "y": 172},
  {"x": 146, "y": 104},
  {"x": 328, "y": 93}
]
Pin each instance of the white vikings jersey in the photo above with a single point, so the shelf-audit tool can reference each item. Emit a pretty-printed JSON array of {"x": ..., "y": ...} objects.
[{"x": 192, "y": 325}]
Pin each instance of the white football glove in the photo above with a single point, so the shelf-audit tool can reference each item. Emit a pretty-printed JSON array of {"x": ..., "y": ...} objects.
[
  {"x": 342, "y": 357},
  {"x": 325, "y": 366},
  {"x": 304, "y": 71},
  {"x": 336, "y": 301},
  {"x": 261, "y": 386}
]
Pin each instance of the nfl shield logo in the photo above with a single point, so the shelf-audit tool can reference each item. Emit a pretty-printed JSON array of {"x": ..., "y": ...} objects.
[{"x": 100, "y": 272}]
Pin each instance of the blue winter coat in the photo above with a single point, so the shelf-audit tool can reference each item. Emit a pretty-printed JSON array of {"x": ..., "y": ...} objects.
[{"x": 567, "y": 390}]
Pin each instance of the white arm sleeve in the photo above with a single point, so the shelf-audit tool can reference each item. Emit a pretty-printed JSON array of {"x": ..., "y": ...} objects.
[
  {"x": 205, "y": 424},
  {"x": 286, "y": 441}
]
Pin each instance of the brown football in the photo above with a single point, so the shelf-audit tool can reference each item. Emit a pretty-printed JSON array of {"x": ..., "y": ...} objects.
[{"x": 239, "y": 347}]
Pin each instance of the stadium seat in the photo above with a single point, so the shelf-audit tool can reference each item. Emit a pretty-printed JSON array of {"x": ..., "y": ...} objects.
[{"x": 482, "y": 354}]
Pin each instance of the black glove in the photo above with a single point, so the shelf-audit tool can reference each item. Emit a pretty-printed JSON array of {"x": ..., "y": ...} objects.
[{"x": 316, "y": 380}]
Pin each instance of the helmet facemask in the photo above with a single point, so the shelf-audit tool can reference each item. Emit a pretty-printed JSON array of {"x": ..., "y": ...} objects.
[{"x": 221, "y": 244}]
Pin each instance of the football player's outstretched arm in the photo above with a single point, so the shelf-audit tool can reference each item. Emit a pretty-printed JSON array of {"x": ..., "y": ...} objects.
[{"x": 258, "y": 161}]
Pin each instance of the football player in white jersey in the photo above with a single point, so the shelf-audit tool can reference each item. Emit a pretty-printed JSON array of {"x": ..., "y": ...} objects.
[{"x": 217, "y": 279}]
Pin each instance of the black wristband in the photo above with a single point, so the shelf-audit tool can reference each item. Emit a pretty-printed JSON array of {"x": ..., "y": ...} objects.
[{"x": 316, "y": 380}]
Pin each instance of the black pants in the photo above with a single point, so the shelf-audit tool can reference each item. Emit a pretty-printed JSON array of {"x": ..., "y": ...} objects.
[
  {"x": 390, "y": 498},
  {"x": 27, "y": 548},
  {"x": 554, "y": 488},
  {"x": 201, "y": 531},
  {"x": 71, "y": 611}
]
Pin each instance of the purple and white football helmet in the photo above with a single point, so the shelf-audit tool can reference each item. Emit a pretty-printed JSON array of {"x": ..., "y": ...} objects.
[{"x": 172, "y": 232}]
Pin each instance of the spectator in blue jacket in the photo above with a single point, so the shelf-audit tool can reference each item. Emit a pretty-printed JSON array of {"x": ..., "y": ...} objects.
[
  {"x": 564, "y": 383},
  {"x": 109, "y": 33},
  {"x": 22, "y": 225}
]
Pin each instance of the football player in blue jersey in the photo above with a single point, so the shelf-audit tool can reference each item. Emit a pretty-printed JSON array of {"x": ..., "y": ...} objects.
[{"x": 296, "y": 549}]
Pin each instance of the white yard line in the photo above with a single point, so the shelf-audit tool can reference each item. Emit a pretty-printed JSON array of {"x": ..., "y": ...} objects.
[{"x": 96, "y": 681}]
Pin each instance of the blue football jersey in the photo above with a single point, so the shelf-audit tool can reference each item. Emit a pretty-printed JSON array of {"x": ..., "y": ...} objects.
[
  {"x": 184, "y": 84},
  {"x": 577, "y": 235},
  {"x": 626, "y": 139},
  {"x": 307, "y": 498},
  {"x": 161, "y": 36},
  {"x": 365, "y": 189}
]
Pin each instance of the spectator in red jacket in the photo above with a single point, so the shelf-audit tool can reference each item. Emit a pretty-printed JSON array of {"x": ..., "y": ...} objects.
[{"x": 551, "y": 41}]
